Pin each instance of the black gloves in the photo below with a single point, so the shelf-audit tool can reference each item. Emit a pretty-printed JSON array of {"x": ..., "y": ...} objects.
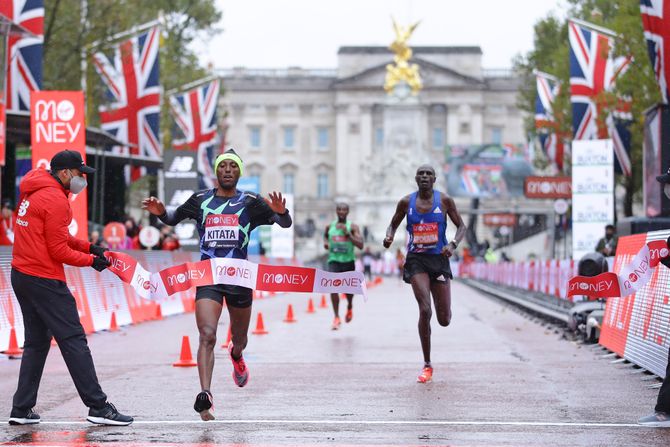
[
  {"x": 100, "y": 263},
  {"x": 97, "y": 250}
]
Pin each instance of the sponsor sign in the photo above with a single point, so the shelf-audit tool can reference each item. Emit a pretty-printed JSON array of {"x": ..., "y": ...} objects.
[
  {"x": 281, "y": 239},
  {"x": 548, "y": 187},
  {"x": 500, "y": 219},
  {"x": 57, "y": 123},
  {"x": 280, "y": 279},
  {"x": 149, "y": 236},
  {"x": 592, "y": 193},
  {"x": 181, "y": 181},
  {"x": 114, "y": 233}
]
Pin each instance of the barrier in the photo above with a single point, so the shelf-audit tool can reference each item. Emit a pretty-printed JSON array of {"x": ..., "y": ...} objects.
[
  {"x": 637, "y": 327},
  {"x": 98, "y": 295}
]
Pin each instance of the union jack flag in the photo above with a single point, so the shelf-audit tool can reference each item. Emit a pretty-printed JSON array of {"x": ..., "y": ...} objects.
[
  {"x": 24, "y": 55},
  {"x": 592, "y": 72},
  {"x": 194, "y": 111},
  {"x": 545, "y": 124},
  {"x": 656, "y": 24},
  {"x": 132, "y": 86}
]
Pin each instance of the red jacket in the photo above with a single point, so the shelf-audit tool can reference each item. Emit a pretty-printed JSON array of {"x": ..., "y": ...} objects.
[{"x": 42, "y": 241}]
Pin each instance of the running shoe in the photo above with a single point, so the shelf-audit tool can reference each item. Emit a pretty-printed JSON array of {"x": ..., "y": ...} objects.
[
  {"x": 426, "y": 375},
  {"x": 336, "y": 323},
  {"x": 204, "y": 404},
  {"x": 349, "y": 316},
  {"x": 108, "y": 415},
  {"x": 24, "y": 417},
  {"x": 658, "y": 419},
  {"x": 240, "y": 370}
]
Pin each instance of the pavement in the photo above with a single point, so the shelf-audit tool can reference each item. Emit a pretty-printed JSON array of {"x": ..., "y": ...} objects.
[{"x": 501, "y": 379}]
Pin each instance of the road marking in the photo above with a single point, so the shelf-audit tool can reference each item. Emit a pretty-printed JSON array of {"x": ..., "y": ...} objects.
[{"x": 345, "y": 422}]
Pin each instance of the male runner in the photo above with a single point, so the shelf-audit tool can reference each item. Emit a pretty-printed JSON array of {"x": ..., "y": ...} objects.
[
  {"x": 209, "y": 208},
  {"x": 427, "y": 264},
  {"x": 340, "y": 238}
]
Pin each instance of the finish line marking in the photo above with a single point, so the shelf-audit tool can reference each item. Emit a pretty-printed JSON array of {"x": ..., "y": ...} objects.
[{"x": 336, "y": 422}]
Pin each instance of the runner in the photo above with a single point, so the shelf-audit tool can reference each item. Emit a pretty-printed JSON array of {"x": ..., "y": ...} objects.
[
  {"x": 245, "y": 211},
  {"x": 340, "y": 238},
  {"x": 427, "y": 264}
]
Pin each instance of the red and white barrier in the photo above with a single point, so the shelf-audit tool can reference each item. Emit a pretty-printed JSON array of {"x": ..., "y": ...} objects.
[{"x": 637, "y": 327}]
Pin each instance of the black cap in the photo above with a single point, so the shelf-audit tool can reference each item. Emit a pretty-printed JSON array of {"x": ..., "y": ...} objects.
[
  {"x": 70, "y": 160},
  {"x": 7, "y": 203}
]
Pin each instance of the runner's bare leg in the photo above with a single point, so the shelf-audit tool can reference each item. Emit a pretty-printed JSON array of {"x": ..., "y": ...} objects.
[
  {"x": 421, "y": 288},
  {"x": 207, "y": 313}
]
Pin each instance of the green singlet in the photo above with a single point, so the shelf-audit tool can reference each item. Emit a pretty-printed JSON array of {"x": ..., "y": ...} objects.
[{"x": 341, "y": 248}]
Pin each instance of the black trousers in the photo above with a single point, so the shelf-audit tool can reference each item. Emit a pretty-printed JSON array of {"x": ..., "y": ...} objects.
[
  {"x": 663, "y": 402},
  {"x": 48, "y": 309}
]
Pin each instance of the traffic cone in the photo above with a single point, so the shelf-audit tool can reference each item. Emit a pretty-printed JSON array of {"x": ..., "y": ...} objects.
[
  {"x": 310, "y": 306},
  {"x": 185, "y": 358},
  {"x": 323, "y": 304},
  {"x": 289, "y": 315},
  {"x": 260, "y": 327},
  {"x": 13, "y": 350},
  {"x": 113, "y": 326},
  {"x": 159, "y": 312},
  {"x": 229, "y": 338}
]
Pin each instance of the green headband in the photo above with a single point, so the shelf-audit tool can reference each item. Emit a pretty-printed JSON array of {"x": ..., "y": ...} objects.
[{"x": 229, "y": 156}]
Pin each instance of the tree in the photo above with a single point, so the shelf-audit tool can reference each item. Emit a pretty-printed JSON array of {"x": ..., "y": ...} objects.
[{"x": 550, "y": 54}]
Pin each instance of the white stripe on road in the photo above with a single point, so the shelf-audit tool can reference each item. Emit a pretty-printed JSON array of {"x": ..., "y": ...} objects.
[{"x": 344, "y": 422}]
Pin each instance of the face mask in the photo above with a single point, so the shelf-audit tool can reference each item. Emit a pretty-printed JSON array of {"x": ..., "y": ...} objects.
[
  {"x": 666, "y": 190},
  {"x": 77, "y": 184}
]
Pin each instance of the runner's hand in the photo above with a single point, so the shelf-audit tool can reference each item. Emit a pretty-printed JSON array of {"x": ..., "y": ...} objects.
[
  {"x": 326, "y": 245},
  {"x": 448, "y": 250},
  {"x": 97, "y": 250},
  {"x": 100, "y": 263},
  {"x": 388, "y": 240},
  {"x": 277, "y": 203},
  {"x": 154, "y": 206}
]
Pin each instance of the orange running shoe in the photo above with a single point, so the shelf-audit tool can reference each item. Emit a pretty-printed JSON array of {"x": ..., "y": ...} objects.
[
  {"x": 349, "y": 316},
  {"x": 240, "y": 370},
  {"x": 426, "y": 375},
  {"x": 336, "y": 323}
]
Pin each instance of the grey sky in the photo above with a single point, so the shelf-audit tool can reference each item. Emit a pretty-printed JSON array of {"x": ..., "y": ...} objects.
[{"x": 307, "y": 33}]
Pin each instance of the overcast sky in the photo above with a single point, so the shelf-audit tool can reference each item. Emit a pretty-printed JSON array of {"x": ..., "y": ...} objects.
[{"x": 307, "y": 33}]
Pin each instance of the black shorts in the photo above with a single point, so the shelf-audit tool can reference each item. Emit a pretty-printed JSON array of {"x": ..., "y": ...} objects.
[
  {"x": 341, "y": 267},
  {"x": 437, "y": 267},
  {"x": 236, "y": 296}
]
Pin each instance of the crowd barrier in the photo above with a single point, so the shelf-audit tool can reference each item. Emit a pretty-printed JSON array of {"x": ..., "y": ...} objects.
[
  {"x": 549, "y": 277},
  {"x": 637, "y": 327}
]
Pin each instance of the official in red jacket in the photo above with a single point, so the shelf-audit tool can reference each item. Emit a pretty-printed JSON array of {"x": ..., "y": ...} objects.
[{"x": 42, "y": 244}]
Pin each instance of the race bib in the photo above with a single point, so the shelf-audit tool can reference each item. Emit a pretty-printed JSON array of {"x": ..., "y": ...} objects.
[
  {"x": 340, "y": 244},
  {"x": 425, "y": 234},
  {"x": 222, "y": 230}
]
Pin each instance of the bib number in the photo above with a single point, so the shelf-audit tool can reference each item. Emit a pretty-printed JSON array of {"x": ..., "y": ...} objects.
[
  {"x": 222, "y": 231},
  {"x": 425, "y": 234}
]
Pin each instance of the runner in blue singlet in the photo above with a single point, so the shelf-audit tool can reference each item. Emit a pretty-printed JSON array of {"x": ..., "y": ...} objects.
[{"x": 427, "y": 264}]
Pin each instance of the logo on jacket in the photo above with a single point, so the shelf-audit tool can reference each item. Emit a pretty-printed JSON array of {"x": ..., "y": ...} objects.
[{"x": 23, "y": 208}]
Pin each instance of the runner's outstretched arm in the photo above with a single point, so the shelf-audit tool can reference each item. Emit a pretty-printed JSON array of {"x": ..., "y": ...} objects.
[
  {"x": 400, "y": 212},
  {"x": 188, "y": 210}
]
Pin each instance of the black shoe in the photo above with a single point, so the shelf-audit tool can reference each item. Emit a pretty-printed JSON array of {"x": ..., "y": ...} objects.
[
  {"x": 108, "y": 415},
  {"x": 24, "y": 417},
  {"x": 204, "y": 404}
]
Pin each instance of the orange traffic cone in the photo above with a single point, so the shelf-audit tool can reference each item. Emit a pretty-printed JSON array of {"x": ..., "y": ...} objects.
[
  {"x": 113, "y": 326},
  {"x": 310, "y": 306},
  {"x": 229, "y": 338},
  {"x": 13, "y": 350},
  {"x": 159, "y": 312},
  {"x": 185, "y": 358},
  {"x": 289, "y": 315},
  {"x": 323, "y": 304},
  {"x": 260, "y": 327}
]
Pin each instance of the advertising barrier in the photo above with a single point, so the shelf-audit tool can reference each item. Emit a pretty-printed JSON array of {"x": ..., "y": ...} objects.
[{"x": 637, "y": 327}]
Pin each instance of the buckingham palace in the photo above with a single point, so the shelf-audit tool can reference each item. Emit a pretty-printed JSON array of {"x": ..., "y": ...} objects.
[{"x": 323, "y": 134}]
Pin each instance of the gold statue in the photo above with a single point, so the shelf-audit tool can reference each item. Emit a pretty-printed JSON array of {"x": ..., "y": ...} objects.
[{"x": 402, "y": 70}]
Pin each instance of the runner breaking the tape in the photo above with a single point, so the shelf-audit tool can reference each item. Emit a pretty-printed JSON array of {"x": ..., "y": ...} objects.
[
  {"x": 225, "y": 218},
  {"x": 340, "y": 238},
  {"x": 427, "y": 264}
]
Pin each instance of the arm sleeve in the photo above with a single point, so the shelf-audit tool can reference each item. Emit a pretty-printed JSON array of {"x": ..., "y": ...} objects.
[
  {"x": 284, "y": 220},
  {"x": 78, "y": 244},
  {"x": 189, "y": 210},
  {"x": 260, "y": 212},
  {"x": 58, "y": 239}
]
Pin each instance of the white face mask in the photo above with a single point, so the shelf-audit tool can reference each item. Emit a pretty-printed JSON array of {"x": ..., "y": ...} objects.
[
  {"x": 77, "y": 184},
  {"x": 666, "y": 190}
]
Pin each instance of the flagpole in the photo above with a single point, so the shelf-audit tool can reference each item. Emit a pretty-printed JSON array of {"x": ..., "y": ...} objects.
[
  {"x": 596, "y": 28},
  {"x": 191, "y": 85},
  {"x": 131, "y": 32},
  {"x": 537, "y": 72}
]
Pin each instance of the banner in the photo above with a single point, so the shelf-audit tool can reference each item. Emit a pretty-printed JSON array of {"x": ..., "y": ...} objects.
[
  {"x": 238, "y": 272},
  {"x": 57, "y": 123},
  {"x": 592, "y": 193},
  {"x": 180, "y": 182}
]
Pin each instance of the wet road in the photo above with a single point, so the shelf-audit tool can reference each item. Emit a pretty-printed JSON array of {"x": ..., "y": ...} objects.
[{"x": 500, "y": 380}]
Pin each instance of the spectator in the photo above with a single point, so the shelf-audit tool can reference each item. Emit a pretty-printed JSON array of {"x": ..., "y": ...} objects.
[
  {"x": 7, "y": 227},
  {"x": 607, "y": 244},
  {"x": 367, "y": 260}
]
